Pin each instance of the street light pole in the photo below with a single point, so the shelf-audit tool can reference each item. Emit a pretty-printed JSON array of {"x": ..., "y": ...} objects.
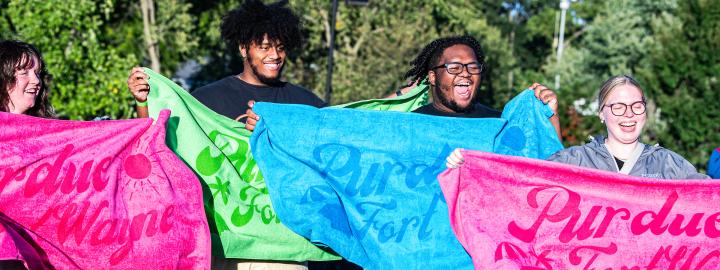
[
  {"x": 331, "y": 49},
  {"x": 564, "y": 5}
]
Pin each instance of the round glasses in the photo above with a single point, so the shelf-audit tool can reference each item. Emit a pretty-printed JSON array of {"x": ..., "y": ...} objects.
[
  {"x": 454, "y": 68},
  {"x": 619, "y": 109}
]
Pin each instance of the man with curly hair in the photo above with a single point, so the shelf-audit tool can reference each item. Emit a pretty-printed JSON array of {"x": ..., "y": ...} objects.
[{"x": 263, "y": 34}]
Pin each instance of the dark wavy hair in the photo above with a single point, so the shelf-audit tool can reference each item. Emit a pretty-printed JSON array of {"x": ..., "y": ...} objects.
[
  {"x": 16, "y": 55},
  {"x": 430, "y": 55},
  {"x": 249, "y": 24}
]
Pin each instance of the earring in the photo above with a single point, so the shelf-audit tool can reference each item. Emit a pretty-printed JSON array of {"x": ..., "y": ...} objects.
[{"x": 602, "y": 121}]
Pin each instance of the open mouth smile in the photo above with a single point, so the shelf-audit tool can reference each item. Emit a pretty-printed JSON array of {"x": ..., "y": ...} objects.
[{"x": 462, "y": 89}]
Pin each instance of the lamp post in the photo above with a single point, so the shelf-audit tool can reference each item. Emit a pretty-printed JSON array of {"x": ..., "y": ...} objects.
[{"x": 564, "y": 5}]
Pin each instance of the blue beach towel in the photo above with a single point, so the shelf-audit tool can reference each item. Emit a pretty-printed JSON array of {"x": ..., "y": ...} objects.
[{"x": 365, "y": 182}]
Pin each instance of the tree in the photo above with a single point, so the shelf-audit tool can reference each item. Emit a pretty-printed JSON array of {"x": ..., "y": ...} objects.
[
  {"x": 171, "y": 32},
  {"x": 682, "y": 75},
  {"x": 669, "y": 47},
  {"x": 612, "y": 44},
  {"x": 369, "y": 40},
  {"x": 90, "y": 46},
  {"x": 148, "y": 14},
  {"x": 88, "y": 75},
  {"x": 215, "y": 59},
  {"x": 375, "y": 43}
]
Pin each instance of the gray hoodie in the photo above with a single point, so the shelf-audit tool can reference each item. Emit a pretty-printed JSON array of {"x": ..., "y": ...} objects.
[{"x": 654, "y": 162}]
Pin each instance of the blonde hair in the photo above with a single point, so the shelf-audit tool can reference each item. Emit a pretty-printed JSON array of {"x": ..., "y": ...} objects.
[{"x": 613, "y": 83}]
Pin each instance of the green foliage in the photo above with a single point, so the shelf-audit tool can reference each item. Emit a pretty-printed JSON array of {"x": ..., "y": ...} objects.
[
  {"x": 682, "y": 75},
  {"x": 614, "y": 44},
  {"x": 88, "y": 75},
  {"x": 369, "y": 40},
  {"x": 216, "y": 59},
  {"x": 174, "y": 30},
  {"x": 379, "y": 40},
  {"x": 89, "y": 47},
  {"x": 671, "y": 48}
]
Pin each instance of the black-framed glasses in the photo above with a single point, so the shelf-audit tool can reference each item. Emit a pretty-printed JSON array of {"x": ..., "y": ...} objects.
[
  {"x": 455, "y": 68},
  {"x": 619, "y": 109}
]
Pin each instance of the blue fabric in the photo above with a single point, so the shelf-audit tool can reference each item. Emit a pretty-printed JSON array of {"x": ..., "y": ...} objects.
[
  {"x": 365, "y": 182},
  {"x": 714, "y": 164},
  {"x": 528, "y": 132}
]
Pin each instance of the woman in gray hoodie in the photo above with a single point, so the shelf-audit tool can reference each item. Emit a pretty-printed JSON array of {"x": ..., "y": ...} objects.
[{"x": 621, "y": 107}]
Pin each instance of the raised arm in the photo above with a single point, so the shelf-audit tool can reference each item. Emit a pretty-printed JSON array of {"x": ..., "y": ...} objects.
[
  {"x": 138, "y": 84},
  {"x": 548, "y": 96}
]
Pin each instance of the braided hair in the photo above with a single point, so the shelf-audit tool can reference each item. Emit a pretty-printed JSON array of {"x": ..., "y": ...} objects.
[
  {"x": 430, "y": 55},
  {"x": 249, "y": 24}
]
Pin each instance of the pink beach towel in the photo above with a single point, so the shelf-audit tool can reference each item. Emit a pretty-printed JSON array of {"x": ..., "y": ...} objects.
[
  {"x": 97, "y": 195},
  {"x": 520, "y": 213}
]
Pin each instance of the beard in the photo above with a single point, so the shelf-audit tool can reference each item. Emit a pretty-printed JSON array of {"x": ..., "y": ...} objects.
[
  {"x": 262, "y": 78},
  {"x": 451, "y": 104}
]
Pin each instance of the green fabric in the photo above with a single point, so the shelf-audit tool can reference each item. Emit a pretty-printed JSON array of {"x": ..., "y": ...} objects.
[
  {"x": 242, "y": 221},
  {"x": 417, "y": 97}
]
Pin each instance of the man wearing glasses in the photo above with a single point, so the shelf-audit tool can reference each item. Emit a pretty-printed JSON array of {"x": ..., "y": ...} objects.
[{"x": 453, "y": 67}]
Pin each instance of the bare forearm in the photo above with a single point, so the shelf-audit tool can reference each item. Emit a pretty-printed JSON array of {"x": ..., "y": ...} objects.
[
  {"x": 142, "y": 111},
  {"x": 555, "y": 121}
]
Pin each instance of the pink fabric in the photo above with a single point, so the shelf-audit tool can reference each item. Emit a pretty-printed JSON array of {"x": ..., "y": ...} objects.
[
  {"x": 97, "y": 195},
  {"x": 520, "y": 213}
]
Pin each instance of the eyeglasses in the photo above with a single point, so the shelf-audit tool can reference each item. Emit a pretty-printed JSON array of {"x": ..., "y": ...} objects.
[
  {"x": 619, "y": 109},
  {"x": 455, "y": 68}
]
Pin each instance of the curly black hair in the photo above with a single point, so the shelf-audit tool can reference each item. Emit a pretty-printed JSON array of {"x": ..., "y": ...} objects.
[
  {"x": 430, "y": 55},
  {"x": 249, "y": 24},
  {"x": 15, "y": 55}
]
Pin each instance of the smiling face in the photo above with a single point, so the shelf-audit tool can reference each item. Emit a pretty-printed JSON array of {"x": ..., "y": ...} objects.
[
  {"x": 624, "y": 129},
  {"x": 454, "y": 93},
  {"x": 265, "y": 60},
  {"x": 23, "y": 94}
]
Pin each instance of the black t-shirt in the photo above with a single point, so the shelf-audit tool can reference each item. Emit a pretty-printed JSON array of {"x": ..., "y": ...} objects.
[
  {"x": 479, "y": 111},
  {"x": 230, "y": 95},
  {"x": 619, "y": 163}
]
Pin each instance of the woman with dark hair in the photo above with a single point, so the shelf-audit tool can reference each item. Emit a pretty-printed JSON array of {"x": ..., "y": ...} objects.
[
  {"x": 24, "y": 80},
  {"x": 23, "y": 90}
]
